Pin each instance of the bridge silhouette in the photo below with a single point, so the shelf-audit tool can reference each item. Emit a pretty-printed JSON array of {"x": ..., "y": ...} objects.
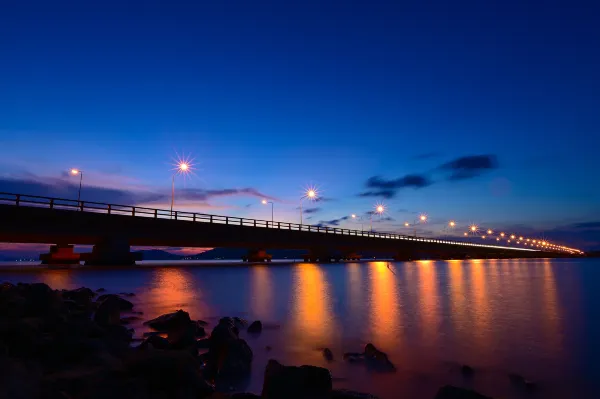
[{"x": 112, "y": 229}]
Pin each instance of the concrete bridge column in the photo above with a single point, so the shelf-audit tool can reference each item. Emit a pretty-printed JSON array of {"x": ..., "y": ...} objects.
[
  {"x": 257, "y": 255},
  {"x": 60, "y": 254},
  {"x": 323, "y": 255},
  {"x": 111, "y": 252}
]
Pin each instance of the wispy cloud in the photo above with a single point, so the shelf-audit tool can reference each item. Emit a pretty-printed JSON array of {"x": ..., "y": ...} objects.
[
  {"x": 470, "y": 166},
  {"x": 380, "y": 187}
]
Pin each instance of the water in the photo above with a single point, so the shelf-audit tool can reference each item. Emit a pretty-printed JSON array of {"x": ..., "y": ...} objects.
[{"x": 538, "y": 318}]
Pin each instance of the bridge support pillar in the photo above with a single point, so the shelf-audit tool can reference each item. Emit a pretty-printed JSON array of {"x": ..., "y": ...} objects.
[
  {"x": 352, "y": 255},
  {"x": 60, "y": 254},
  {"x": 111, "y": 252},
  {"x": 322, "y": 255},
  {"x": 257, "y": 255}
]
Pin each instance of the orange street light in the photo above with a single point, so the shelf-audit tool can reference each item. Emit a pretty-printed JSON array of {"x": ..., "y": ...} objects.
[
  {"x": 489, "y": 231},
  {"x": 361, "y": 221},
  {"x": 473, "y": 228},
  {"x": 452, "y": 223},
  {"x": 183, "y": 166},
  {"x": 502, "y": 234}
]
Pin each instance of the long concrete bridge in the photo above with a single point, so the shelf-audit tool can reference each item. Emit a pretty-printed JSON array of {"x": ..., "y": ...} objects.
[{"x": 112, "y": 229}]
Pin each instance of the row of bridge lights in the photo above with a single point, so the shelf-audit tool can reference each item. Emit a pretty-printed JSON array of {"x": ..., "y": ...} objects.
[{"x": 184, "y": 166}]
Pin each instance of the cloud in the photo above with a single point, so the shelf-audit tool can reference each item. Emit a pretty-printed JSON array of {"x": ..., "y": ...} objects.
[
  {"x": 333, "y": 222},
  {"x": 324, "y": 199},
  {"x": 469, "y": 166},
  {"x": 312, "y": 210},
  {"x": 387, "y": 194},
  {"x": 379, "y": 187}
]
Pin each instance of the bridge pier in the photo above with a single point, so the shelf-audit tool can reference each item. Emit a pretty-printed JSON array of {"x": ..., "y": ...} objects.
[
  {"x": 405, "y": 256},
  {"x": 257, "y": 255},
  {"x": 60, "y": 254},
  {"x": 111, "y": 252}
]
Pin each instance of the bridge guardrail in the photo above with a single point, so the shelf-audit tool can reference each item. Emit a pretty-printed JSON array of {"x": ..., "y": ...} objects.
[{"x": 137, "y": 211}]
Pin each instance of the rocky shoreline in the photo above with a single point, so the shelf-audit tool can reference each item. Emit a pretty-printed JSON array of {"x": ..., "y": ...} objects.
[{"x": 71, "y": 344}]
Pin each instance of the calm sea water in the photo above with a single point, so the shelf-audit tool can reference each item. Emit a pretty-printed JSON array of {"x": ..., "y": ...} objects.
[{"x": 538, "y": 318}]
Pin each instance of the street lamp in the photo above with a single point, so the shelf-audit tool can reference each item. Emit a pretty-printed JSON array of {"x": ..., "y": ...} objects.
[
  {"x": 183, "y": 167},
  {"x": 311, "y": 194},
  {"x": 265, "y": 202},
  {"x": 75, "y": 172},
  {"x": 379, "y": 208},
  {"x": 354, "y": 216}
]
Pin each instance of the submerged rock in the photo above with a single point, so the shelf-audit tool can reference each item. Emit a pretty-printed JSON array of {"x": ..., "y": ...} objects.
[
  {"x": 452, "y": 392},
  {"x": 377, "y": 359},
  {"x": 255, "y": 327},
  {"x": 228, "y": 355}
]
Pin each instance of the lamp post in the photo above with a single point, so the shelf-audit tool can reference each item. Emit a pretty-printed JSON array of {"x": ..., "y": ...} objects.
[
  {"x": 379, "y": 209},
  {"x": 311, "y": 194},
  {"x": 80, "y": 173},
  {"x": 422, "y": 219},
  {"x": 361, "y": 221},
  {"x": 183, "y": 168},
  {"x": 265, "y": 202}
]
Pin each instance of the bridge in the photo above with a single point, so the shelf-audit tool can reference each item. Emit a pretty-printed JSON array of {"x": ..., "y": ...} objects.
[{"x": 112, "y": 229}]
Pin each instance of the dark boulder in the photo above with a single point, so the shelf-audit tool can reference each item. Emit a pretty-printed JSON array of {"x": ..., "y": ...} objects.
[
  {"x": 452, "y": 392},
  {"x": 182, "y": 336},
  {"x": 100, "y": 290},
  {"x": 239, "y": 322},
  {"x": 377, "y": 360},
  {"x": 124, "y": 304},
  {"x": 235, "y": 359},
  {"x": 198, "y": 329},
  {"x": 328, "y": 354},
  {"x": 157, "y": 342},
  {"x": 255, "y": 327},
  {"x": 108, "y": 312},
  {"x": 175, "y": 374},
  {"x": 346, "y": 394},
  {"x": 467, "y": 371},
  {"x": 170, "y": 321},
  {"x": 40, "y": 300},
  {"x": 292, "y": 382},
  {"x": 82, "y": 296}
]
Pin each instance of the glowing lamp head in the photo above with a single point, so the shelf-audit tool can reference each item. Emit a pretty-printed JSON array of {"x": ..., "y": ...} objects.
[
  {"x": 264, "y": 202},
  {"x": 311, "y": 193},
  {"x": 423, "y": 218},
  {"x": 512, "y": 237},
  {"x": 184, "y": 167},
  {"x": 497, "y": 239},
  {"x": 521, "y": 238},
  {"x": 406, "y": 224},
  {"x": 466, "y": 234},
  {"x": 489, "y": 231},
  {"x": 473, "y": 228},
  {"x": 452, "y": 223},
  {"x": 502, "y": 234},
  {"x": 483, "y": 237},
  {"x": 380, "y": 208},
  {"x": 74, "y": 171}
]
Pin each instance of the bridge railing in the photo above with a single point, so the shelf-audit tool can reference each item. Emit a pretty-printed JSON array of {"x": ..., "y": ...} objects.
[{"x": 138, "y": 211}]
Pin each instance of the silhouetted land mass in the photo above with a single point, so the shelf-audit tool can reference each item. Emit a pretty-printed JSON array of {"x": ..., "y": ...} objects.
[{"x": 593, "y": 254}]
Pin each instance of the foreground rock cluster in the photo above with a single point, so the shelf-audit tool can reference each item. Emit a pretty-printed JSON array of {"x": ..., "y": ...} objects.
[{"x": 68, "y": 344}]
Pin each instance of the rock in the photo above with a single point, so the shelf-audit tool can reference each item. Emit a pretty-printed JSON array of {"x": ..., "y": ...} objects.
[
  {"x": 124, "y": 304},
  {"x": 377, "y": 360},
  {"x": 169, "y": 321},
  {"x": 255, "y": 327},
  {"x": 304, "y": 382},
  {"x": 203, "y": 343},
  {"x": 223, "y": 332},
  {"x": 157, "y": 342},
  {"x": 346, "y": 394},
  {"x": 328, "y": 354},
  {"x": 82, "y": 296},
  {"x": 452, "y": 392},
  {"x": 108, "y": 312},
  {"x": 100, "y": 290},
  {"x": 40, "y": 300},
  {"x": 202, "y": 323},
  {"x": 466, "y": 370},
  {"x": 175, "y": 374},
  {"x": 235, "y": 360},
  {"x": 198, "y": 329},
  {"x": 183, "y": 336},
  {"x": 239, "y": 322}
]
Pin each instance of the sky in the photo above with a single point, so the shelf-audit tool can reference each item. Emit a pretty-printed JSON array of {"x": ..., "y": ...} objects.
[{"x": 478, "y": 112}]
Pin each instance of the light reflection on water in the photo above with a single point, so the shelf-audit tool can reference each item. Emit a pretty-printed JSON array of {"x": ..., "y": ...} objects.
[{"x": 499, "y": 316}]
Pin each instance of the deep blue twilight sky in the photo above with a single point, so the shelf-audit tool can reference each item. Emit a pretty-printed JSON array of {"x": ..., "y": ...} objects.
[{"x": 480, "y": 111}]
